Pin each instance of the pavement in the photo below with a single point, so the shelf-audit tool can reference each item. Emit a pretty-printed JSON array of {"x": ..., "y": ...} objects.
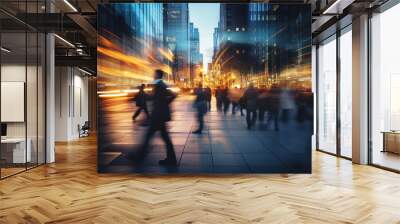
[{"x": 226, "y": 145}]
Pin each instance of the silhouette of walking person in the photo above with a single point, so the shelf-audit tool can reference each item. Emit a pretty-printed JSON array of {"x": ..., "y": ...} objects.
[
  {"x": 159, "y": 116},
  {"x": 201, "y": 106},
  {"x": 141, "y": 103},
  {"x": 251, "y": 96}
]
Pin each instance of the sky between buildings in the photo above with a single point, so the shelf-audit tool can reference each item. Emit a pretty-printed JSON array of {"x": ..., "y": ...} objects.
[{"x": 205, "y": 16}]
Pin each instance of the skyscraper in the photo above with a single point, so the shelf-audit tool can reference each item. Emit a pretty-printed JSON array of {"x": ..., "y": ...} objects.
[
  {"x": 135, "y": 35},
  {"x": 232, "y": 47},
  {"x": 277, "y": 33},
  {"x": 176, "y": 38},
  {"x": 216, "y": 39},
  {"x": 196, "y": 59}
]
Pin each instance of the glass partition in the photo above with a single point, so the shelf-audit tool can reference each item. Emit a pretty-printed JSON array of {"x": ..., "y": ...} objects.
[
  {"x": 13, "y": 94},
  {"x": 22, "y": 91}
]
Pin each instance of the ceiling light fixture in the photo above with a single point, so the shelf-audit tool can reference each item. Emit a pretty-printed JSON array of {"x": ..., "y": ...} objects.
[
  {"x": 327, "y": 11},
  {"x": 70, "y": 5},
  {"x": 5, "y": 50},
  {"x": 64, "y": 40},
  {"x": 84, "y": 71}
]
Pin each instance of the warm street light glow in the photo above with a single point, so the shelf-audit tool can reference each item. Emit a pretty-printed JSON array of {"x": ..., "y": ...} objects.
[
  {"x": 113, "y": 95},
  {"x": 108, "y": 92},
  {"x": 167, "y": 54},
  {"x": 130, "y": 90}
]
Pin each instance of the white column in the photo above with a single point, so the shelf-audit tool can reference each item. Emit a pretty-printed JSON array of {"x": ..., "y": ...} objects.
[
  {"x": 50, "y": 98},
  {"x": 63, "y": 101},
  {"x": 360, "y": 90}
]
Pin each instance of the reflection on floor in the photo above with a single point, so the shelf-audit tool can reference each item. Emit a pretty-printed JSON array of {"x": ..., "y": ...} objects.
[
  {"x": 226, "y": 145},
  {"x": 5, "y": 172},
  {"x": 11, "y": 169},
  {"x": 387, "y": 159}
]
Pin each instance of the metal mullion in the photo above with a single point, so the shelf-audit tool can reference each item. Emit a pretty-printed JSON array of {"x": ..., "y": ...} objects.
[
  {"x": 37, "y": 90},
  {"x": 0, "y": 94},
  {"x": 26, "y": 86},
  {"x": 317, "y": 97},
  {"x": 45, "y": 88},
  {"x": 338, "y": 98},
  {"x": 369, "y": 94}
]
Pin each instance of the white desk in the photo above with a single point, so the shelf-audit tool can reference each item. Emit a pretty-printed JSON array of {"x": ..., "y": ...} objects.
[{"x": 19, "y": 155}]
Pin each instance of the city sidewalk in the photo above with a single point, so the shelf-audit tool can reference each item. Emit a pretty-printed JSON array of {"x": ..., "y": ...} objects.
[{"x": 226, "y": 146}]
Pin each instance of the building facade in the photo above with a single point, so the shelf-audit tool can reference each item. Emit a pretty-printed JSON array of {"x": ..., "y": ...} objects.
[
  {"x": 177, "y": 39},
  {"x": 138, "y": 36},
  {"x": 232, "y": 50},
  {"x": 196, "y": 58}
]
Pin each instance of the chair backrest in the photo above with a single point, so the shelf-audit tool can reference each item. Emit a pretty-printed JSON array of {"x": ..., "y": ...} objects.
[{"x": 86, "y": 125}]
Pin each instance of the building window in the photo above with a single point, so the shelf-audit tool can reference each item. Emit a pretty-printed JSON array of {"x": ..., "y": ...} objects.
[
  {"x": 327, "y": 96},
  {"x": 346, "y": 94},
  {"x": 385, "y": 89}
]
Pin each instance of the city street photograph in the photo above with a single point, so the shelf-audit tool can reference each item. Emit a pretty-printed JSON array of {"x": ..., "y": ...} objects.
[{"x": 204, "y": 88}]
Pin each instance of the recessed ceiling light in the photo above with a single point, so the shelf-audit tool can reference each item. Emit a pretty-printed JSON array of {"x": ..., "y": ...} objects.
[{"x": 84, "y": 71}]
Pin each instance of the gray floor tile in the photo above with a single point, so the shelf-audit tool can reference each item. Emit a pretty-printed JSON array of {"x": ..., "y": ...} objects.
[
  {"x": 224, "y": 159},
  {"x": 196, "y": 160}
]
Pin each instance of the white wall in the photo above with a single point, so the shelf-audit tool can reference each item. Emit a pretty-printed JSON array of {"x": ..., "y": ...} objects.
[
  {"x": 71, "y": 102},
  {"x": 16, "y": 73},
  {"x": 33, "y": 126}
]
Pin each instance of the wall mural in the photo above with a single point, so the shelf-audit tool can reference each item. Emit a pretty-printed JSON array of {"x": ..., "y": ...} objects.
[{"x": 204, "y": 88}]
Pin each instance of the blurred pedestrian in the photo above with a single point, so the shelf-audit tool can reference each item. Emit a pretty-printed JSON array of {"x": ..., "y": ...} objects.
[
  {"x": 218, "y": 97},
  {"x": 262, "y": 105},
  {"x": 242, "y": 104},
  {"x": 234, "y": 97},
  {"x": 159, "y": 116},
  {"x": 273, "y": 107},
  {"x": 287, "y": 103},
  {"x": 225, "y": 99},
  {"x": 208, "y": 95},
  {"x": 251, "y": 96},
  {"x": 201, "y": 106},
  {"x": 141, "y": 103}
]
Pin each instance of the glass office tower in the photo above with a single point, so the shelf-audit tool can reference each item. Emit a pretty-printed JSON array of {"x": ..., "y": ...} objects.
[
  {"x": 177, "y": 40},
  {"x": 139, "y": 32}
]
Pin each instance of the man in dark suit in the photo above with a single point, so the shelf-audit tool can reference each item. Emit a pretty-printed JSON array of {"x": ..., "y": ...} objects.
[
  {"x": 159, "y": 116},
  {"x": 251, "y": 96},
  {"x": 141, "y": 103}
]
